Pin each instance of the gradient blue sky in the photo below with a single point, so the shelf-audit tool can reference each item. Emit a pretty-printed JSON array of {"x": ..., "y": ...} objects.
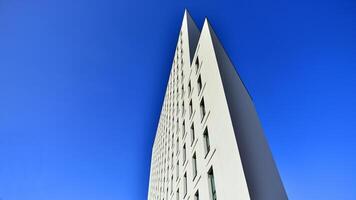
[{"x": 82, "y": 83}]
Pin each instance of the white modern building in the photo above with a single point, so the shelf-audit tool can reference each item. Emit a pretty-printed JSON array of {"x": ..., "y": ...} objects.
[{"x": 209, "y": 143}]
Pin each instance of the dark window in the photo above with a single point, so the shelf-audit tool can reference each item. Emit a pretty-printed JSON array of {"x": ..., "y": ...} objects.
[
  {"x": 183, "y": 108},
  {"x": 182, "y": 87},
  {"x": 172, "y": 183},
  {"x": 197, "y": 64},
  {"x": 190, "y": 108},
  {"x": 183, "y": 127},
  {"x": 192, "y": 133},
  {"x": 185, "y": 184},
  {"x": 202, "y": 109},
  {"x": 194, "y": 164},
  {"x": 177, "y": 170},
  {"x": 196, "y": 196},
  {"x": 199, "y": 84},
  {"x": 212, "y": 184},
  {"x": 206, "y": 141},
  {"x": 184, "y": 153},
  {"x": 189, "y": 88}
]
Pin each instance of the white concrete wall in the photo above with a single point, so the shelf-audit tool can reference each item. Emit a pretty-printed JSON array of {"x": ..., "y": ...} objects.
[
  {"x": 236, "y": 137},
  {"x": 261, "y": 172}
]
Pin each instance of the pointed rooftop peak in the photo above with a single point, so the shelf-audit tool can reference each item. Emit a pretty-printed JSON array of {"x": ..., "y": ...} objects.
[
  {"x": 186, "y": 12},
  {"x": 187, "y": 17},
  {"x": 206, "y": 24},
  {"x": 206, "y": 21},
  {"x": 192, "y": 32},
  {"x": 207, "y": 29}
]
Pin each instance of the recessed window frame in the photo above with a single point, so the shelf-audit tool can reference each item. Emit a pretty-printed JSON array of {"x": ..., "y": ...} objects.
[
  {"x": 192, "y": 134},
  {"x": 207, "y": 146},
  {"x": 200, "y": 84},
  {"x": 194, "y": 165},
  {"x": 212, "y": 186},
  {"x": 191, "y": 108},
  {"x": 202, "y": 109}
]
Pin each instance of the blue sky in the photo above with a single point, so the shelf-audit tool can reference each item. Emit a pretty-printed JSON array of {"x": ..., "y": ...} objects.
[{"x": 82, "y": 83}]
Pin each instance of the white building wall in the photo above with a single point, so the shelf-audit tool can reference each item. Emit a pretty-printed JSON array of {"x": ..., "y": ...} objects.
[{"x": 224, "y": 156}]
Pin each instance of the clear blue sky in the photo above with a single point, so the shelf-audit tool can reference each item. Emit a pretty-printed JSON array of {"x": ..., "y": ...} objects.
[{"x": 82, "y": 83}]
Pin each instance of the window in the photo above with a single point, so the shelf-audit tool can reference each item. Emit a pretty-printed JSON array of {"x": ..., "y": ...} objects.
[
  {"x": 172, "y": 183},
  {"x": 184, "y": 154},
  {"x": 189, "y": 88},
  {"x": 177, "y": 170},
  {"x": 183, "y": 128},
  {"x": 197, "y": 64},
  {"x": 177, "y": 196},
  {"x": 177, "y": 148},
  {"x": 192, "y": 133},
  {"x": 185, "y": 184},
  {"x": 202, "y": 109},
  {"x": 190, "y": 108},
  {"x": 206, "y": 141},
  {"x": 172, "y": 160},
  {"x": 182, "y": 87},
  {"x": 199, "y": 84},
  {"x": 194, "y": 164},
  {"x": 212, "y": 184},
  {"x": 183, "y": 111},
  {"x": 196, "y": 196}
]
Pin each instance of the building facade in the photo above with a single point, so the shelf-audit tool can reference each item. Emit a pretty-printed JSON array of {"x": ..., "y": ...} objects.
[{"x": 209, "y": 143}]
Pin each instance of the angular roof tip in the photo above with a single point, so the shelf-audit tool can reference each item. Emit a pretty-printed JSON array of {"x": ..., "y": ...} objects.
[
  {"x": 187, "y": 15},
  {"x": 206, "y": 22},
  {"x": 186, "y": 12}
]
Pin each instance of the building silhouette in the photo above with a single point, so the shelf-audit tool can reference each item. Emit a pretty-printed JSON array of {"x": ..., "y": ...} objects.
[{"x": 209, "y": 143}]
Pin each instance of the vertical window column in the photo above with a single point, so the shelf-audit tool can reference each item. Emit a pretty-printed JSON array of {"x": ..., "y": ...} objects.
[
  {"x": 194, "y": 165},
  {"x": 192, "y": 134},
  {"x": 212, "y": 184},
  {"x": 202, "y": 109},
  {"x": 206, "y": 141}
]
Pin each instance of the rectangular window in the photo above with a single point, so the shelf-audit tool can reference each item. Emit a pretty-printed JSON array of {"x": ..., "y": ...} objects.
[
  {"x": 177, "y": 148},
  {"x": 172, "y": 161},
  {"x": 212, "y": 184},
  {"x": 189, "y": 88},
  {"x": 177, "y": 170},
  {"x": 177, "y": 196},
  {"x": 190, "y": 108},
  {"x": 183, "y": 111},
  {"x": 206, "y": 141},
  {"x": 183, "y": 128},
  {"x": 185, "y": 184},
  {"x": 184, "y": 154},
  {"x": 182, "y": 88},
  {"x": 196, "y": 196},
  {"x": 197, "y": 64},
  {"x": 194, "y": 164},
  {"x": 199, "y": 84},
  {"x": 202, "y": 109},
  {"x": 192, "y": 133},
  {"x": 172, "y": 183}
]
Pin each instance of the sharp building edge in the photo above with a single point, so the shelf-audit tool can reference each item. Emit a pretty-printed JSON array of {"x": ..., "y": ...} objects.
[{"x": 209, "y": 142}]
